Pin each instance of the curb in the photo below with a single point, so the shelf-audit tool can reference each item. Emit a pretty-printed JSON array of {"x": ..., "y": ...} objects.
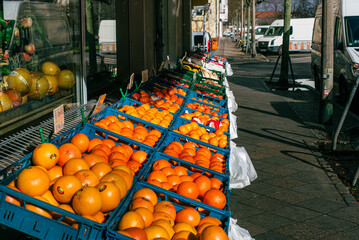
[{"x": 342, "y": 190}]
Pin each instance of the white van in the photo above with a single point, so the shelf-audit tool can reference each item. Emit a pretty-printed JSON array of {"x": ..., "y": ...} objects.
[
  {"x": 300, "y": 39},
  {"x": 107, "y": 36},
  {"x": 346, "y": 47},
  {"x": 197, "y": 41}
]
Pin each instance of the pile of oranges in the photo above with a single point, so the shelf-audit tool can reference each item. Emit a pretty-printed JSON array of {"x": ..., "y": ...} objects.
[
  {"x": 85, "y": 177},
  {"x": 204, "y": 119},
  {"x": 146, "y": 113},
  {"x": 196, "y": 186},
  {"x": 205, "y": 101},
  {"x": 206, "y": 109},
  {"x": 202, "y": 156},
  {"x": 149, "y": 218},
  {"x": 127, "y": 129},
  {"x": 217, "y": 138}
]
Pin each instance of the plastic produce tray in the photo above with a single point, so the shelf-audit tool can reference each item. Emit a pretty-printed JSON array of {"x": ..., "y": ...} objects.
[
  {"x": 223, "y": 216},
  {"x": 218, "y": 110},
  {"x": 162, "y": 83},
  {"x": 172, "y": 136},
  {"x": 221, "y": 92},
  {"x": 21, "y": 219},
  {"x": 136, "y": 121},
  {"x": 93, "y": 131},
  {"x": 216, "y": 102},
  {"x": 204, "y": 171}
]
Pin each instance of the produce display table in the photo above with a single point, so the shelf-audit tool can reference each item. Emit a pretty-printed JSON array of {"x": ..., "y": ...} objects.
[{"x": 181, "y": 120}]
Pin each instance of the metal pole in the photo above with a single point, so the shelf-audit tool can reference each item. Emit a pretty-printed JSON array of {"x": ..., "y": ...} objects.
[
  {"x": 254, "y": 53},
  {"x": 291, "y": 70},
  {"x": 344, "y": 115},
  {"x": 275, "y": 67}
]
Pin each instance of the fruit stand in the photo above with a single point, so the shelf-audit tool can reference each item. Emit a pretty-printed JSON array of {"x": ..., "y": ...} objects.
[{"x": 158, "y": 163}]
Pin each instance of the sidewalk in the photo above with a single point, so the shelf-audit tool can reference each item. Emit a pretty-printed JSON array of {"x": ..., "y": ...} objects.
[{"x": 293, "y": 196}]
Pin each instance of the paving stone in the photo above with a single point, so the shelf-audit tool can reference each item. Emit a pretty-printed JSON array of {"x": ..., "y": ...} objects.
[
  {"x": 262, "y": 175},
  {"x": 271, "y": 235},
  {"x": 270, "y": 221},
  {"x": 321, "y": 190},
  {"x": 302, "y": 231},
  {"x": 241, "y": 211},
  {"x": 330, "y": 224},
  {"x": 352, "y": 233},
  {"x": 280, "y": 170},
  {"x": 252, "y": 228},
  {"x": 265, "y": 203},
  {"x": 289, "y": 196},
  {"x": 277, "y": 161},
  {"x": 321, "y": 205},
  {"x": 259, "y": 164},
  {"x": 285, "y": 182},
  {"x": 263, "y": 188},
  {"x": 242, "y": 194},
  {"x": 311, "y": 177},
  {"x": 350, "y": 213},
  {"x": 296, "y": 213},
  {"x": 304, "y": 167}
]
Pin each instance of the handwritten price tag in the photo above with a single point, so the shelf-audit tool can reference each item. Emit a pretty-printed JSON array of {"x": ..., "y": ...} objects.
[
  {"x": 99, "y": 103},
  {"x": 130, "y": 84},
  {"x": 144, "y": 76},
  {"x": 59, "y": 118}
]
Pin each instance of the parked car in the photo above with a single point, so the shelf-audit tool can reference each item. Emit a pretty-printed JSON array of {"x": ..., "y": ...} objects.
[
  {"x": 197, "y": 41},
  {"x": 301, "y": 30},
  {"x": 260, "y": 31},
  {"x": 346, "y": 45}
]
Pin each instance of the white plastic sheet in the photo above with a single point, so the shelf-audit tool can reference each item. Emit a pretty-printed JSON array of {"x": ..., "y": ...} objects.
[
  {"x": 229, "y": 69},
  {"x": 241, "y": 168},
  {"x": 213, "y": 66},
  {"x": 232, "y": 104},
  {"x": 233, "y": 126},
  {"x": 235, "y": 232}
]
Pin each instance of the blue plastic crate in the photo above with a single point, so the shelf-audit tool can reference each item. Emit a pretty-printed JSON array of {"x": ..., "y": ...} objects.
[
  {"x": 136, "y": 121},
  {"x": 172, "y": 136},
  {"x": 223, "y": 216},
  {"x": 191, "y": 168},
  {"x": 93, "y": 131},
  {"x": 220, "y": 111},
  {"x": 216, "y": 102},
  {"x": 189, "y": 110},
  {"x": 181, "y": 121},
  {"x": 21, "y": 219},
  {"x": 162, "y": 84},
  {"x": 134, "y": 103}
]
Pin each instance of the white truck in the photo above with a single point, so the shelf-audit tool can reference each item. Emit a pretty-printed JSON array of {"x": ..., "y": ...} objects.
[
  {"x": 300, "y": 39},
  {"x": 107, "y": 37},
  {"x": 346, "y": 45}
]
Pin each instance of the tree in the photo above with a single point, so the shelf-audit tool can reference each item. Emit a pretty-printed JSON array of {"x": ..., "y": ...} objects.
[
  {"x": 304, "y": 8},
  {"x": 283, "y": 79}
]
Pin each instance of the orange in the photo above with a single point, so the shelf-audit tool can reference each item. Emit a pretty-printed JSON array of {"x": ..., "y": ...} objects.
[
  {"x": 209, "y": 219},
  {"x": 156, "y": 232},
  {"x": 146, "y": 193},
  {"x": 109, "y": 142},
  {"x": 180, "y": 171},
  {"x": 146, "y": 215},
  {"x": 202, "y": 226},
  {"x": 168, "y": 171},
  {"x": 93, "y": 142},
  {"x": 38, "y": 210},
  {"x": 128, "y": 124},
  {"x": 166, "y": 225},
  {"x": 188, "y": 215},
  {"x": 167, "y": 186},
  {"x": 104, "y": 148},
  {"x": 141, "y": 202},
  {"x": 110, "y": 195},
  {"x": 68, "y": 151},
  {"x": 173, "y": 180},
  {"x": 117, "y": 156},
  {"x": 213, "y": 141},
  {"x": 184, "y": 235},
  {"x": 81, "y": 141},
  {"x": 92, "y": 159},
  {"x": 87, "y": 201},
  {"x": 190, "y": 151},
  {"x": 33, "y": 181},
  {"x": 166, "y": 207},
  {"x": 136, "y": 233},
  {"x": 13, "y": 200},
  {"x": 125, "y": 175},
  {"x": 131, "y": 219},
  {"x": 101, "y": 169},
  {"x": 195, "y": 175},
  {"x": 65, "y": 187},
  {"x": 118, "y": 180},
  {"x": 55, "y": 172},
  {"x": 139, "y": 156},
  {"x": 160, "y": 164},
  {"x": 222, "y": 143},
  {"x": 74, "y": 165},
  {"x": 101, "y": 153},
  {"x": 216, "y": 183},
  {"x": 215, "y": 198},
  {"x": 163, "y": 215},
  {"x": 118, "y": 162},
  {"x": 213, "y": 233},
  {"x": 100, "y": 217},
  {"x": 183, "y": 226},
  {"x": 45, "y": 155},
  {"x": 87, "y": 178},
  {"x": 186, "y": 178},
  {"x": 124, "y": 168},
  {"x": 188, "y": 189},
  {"x": 157, "y": 175},
  {"x": 204, "y": 184},
  {"x": 155, "y": 132},
  {"x": 134, "y": 166}
]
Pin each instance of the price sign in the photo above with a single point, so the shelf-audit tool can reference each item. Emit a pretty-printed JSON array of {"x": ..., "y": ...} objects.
[
  {"x": 59, "y": 118},
  {"x": 99, "y": 103},
  {"x": 144, "y": 76},
  {"x": 167, "y": 62},
  {"x": 184, "y": 57},
  {"x": 130, "y": 84}
]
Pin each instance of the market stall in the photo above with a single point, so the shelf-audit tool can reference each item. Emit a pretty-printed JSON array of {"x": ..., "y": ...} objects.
[{"x": 159, "y": 162}]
